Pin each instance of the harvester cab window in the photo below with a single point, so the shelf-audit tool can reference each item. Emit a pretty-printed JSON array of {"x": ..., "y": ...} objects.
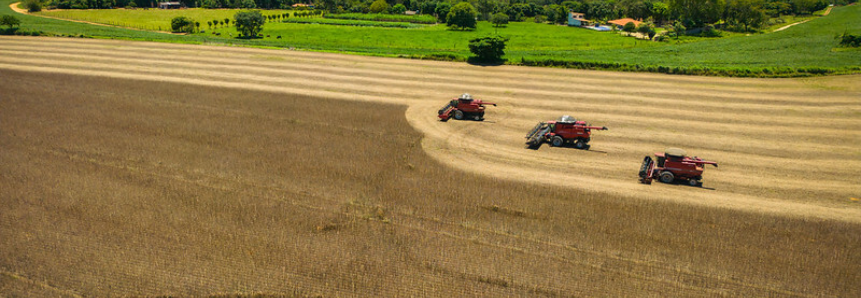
[
  {"x": 661, "y": 160},
  {"x": 466, "y": 98}
]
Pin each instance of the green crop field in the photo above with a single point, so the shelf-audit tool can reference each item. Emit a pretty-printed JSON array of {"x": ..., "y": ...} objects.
[
  {"x": 322, "y": 35},
  {"x": 349, "y": 22},
  {"x": 810, "y": 48},
  {"x": 807, "y": 48}
]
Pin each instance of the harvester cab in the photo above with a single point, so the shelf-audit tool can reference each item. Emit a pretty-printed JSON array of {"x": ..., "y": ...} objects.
[
  {"x": 672, "y": 165},
  {"x": 464, "y": 107},
  {"x": 563, "y": 131}
]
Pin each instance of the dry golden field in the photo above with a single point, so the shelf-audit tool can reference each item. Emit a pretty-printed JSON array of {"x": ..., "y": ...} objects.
[{"x": 142, "y": 169}]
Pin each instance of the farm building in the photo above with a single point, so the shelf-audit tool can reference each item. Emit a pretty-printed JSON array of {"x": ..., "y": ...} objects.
[
  {"x": 577, "y": 19},
  {"x": 622, "y": 22},
  {"x": 297, "y": 5},
  {"x": 169, "y": 5}
]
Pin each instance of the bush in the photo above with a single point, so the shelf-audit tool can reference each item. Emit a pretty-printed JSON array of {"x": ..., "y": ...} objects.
[
  {"x": 850, "y": 40},
  {"x": 709, "y": 31},
  {"x": 629, "y": 27},
  {"x": 33, "y": 5},
  {"x": 379, "y": 6},
  {"x": 9, "y": 20},
  {"x": 488, "y": 49},
  {"x": 182, "y": 25},
  {"x": 398, "y": 9}
]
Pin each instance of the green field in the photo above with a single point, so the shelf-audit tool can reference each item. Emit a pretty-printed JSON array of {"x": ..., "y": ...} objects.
[
  {"x": 148, "y": 19},
  {"x": 806, "y": 49},
  {"x": 525, "y": 37}
]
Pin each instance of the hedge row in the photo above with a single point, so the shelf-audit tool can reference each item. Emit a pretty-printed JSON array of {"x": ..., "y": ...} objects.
[
  {"x": 352, "y": 23},
  {"x": 770, "y": 72},
  {"x": 380, "y": 17}
]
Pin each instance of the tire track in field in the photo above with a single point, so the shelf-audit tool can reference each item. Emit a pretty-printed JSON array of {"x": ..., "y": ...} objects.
[
  {"x": 715, "y": 118},
  {"x": 41, "y": 284}
]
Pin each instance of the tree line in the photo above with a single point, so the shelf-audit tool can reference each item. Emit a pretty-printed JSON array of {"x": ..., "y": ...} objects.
[{"x": 692, "y": 13}]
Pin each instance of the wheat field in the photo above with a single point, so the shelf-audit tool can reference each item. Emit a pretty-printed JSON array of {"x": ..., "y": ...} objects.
[{"x": 141, "y": 169}]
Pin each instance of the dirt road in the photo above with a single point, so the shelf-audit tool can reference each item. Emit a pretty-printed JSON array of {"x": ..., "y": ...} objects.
[{"x": 785, "y": 146}]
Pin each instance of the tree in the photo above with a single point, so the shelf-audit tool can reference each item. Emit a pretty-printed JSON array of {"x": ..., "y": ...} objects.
[
  {"x": 182, "y": 25},
  {"x": 488, "y": 49},
  {"x": 697, "y": 12},
  {"x": 462, "y": 16},
  {"x": 747, "y": 13},
  {"x": 660, "y": 12},
  {"x": 485, "y": 8},
  {"x": 9, "y": 20},
  {"x": 442, "y": 10},
  {"x": 427, "y": 7},
  {"x": 808, "y": 6},
  {"x": 679, "y": 29},
  {"x": 398, "y": 9},
  {"x": 499, "y": 19},
  {"x": 556, "y": 13},
  {"x": 246, "y": 4},
  {"x": 379, "y": 6},
  {"x": 209, "y": 23},
  {"x": 248, "y": 23},
  {"x": 636, "y": 9},
  {"x": 227, "y": 21},
  {"x": 600, "y": 9}
]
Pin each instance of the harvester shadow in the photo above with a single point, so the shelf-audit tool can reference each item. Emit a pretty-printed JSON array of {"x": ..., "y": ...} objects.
[
  {"x": 683, "y": 184},
  {"x": 596, "y": 151},
  {"x": 567, "y": 147}
]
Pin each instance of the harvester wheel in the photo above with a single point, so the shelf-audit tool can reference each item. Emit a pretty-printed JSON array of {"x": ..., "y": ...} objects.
[
  {"x": 694, "y": 182},
  {"x": 580, "y": 144},
  {"x": 557, "y": 141},
  {"x": 667, "y": 177},
  {"x": 458, "y": 114}
]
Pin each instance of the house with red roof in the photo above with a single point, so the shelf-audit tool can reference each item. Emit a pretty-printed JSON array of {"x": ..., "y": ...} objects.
[{"x": 622, "y": 22}]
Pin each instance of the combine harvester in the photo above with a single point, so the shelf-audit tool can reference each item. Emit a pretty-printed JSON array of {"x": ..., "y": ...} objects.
[
  {"x": 565, "y": 130},
  {"x": 464, "y": 108},
  {"x": 673, "y": 165}
]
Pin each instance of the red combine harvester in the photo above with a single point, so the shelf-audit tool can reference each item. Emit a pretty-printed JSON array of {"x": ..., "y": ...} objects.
[
  {"x": 673, "y": 165},
  {"x": 464, "y": 108},
  {"x": 565, "y": 130}
]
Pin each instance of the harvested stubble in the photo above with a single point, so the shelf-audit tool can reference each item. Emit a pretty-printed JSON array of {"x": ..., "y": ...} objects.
[{"x": 117, "y": 187}]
